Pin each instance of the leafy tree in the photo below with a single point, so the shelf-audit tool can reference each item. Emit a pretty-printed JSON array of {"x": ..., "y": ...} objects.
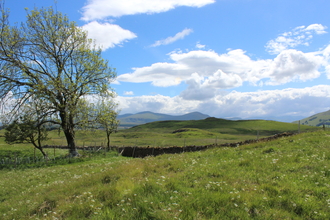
[
  {"x": 51, "y": 58},
  {"x": 106, "y": 116},
  {"x": 26, "y": 130},
  {"x": 29, "y": 126}
]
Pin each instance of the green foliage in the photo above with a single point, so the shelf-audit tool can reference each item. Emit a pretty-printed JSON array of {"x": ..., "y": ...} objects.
[
  {"x": 25, "y": 131},
  {"x": 29, "y": 125},
  {"x": 52, "y": 59},
  {"x": 106, "y": 116}
]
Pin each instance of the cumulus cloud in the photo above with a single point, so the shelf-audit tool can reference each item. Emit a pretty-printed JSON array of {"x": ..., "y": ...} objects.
[
  {"x": 128, "y": 93},
  {"x": 200, "y": 88},
  {"x": 156, "y": 103},
  {"x": 199, "y": 45},
  {"x": 260, "y": 104},
  {"x": 207, "y": 72},
  {"x": 292, "y": 65},
  {"x": 301, "y": 35},
  {"x": 107, "y": 35},
  {"x": 101, "y": 9},
  {"x": 207, "y": 64},
  {"x": 160, "y": 74},
  {"x": 176, "y": 37},
  {"x": 326, "y": 54}
]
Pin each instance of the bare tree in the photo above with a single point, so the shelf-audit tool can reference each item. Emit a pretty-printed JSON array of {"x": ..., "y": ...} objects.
[{"x": 51, "y": 58}]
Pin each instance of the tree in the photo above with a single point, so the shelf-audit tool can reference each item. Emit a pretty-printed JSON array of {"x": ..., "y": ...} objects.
[
  {"x": 28, "y": 126},
  {"x": 26, "y": 130},
  {"x": 51, "y": 58},
  {"x": 106, "y": 116}
]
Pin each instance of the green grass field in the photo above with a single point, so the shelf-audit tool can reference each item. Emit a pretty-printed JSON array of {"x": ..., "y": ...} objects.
[
  {"x": 199, "y": 132},
  {"x": 287, "y": 178},
  {"x": 283, "y": 179}
]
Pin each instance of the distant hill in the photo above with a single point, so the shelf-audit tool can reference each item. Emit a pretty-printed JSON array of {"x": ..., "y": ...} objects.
[
  {"x": 222, "y": 126},
  {"x": 129, "y": 120},
  {"x": 319, "y": 119}
]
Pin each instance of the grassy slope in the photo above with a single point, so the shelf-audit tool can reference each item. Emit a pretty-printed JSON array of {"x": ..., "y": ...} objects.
[
  {"x": 160, "y": 134},
  {"x": 317, "y": 119},
  {"x": 222, "y": 126},
  {"x": 206, "y": 131},
  {"x": 284, "y": 179}
]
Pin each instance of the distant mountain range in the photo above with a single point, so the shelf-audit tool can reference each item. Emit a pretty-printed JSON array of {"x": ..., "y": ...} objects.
[
  {"x": 130, "y": 120},
  {"x": 319, "y": 119}
]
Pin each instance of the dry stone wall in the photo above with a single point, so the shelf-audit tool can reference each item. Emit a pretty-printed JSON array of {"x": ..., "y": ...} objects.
[{"x": 155, "y": 151}]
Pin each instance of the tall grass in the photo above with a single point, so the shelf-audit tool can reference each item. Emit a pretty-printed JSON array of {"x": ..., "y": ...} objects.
[{"x": 283, "y": 179}]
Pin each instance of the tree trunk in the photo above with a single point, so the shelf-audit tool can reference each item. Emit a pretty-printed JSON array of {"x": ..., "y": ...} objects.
[
  {"x": 108, "y": 143},
  {"x": 68, "y": 129},
  {"x": 43, "y": 152},
  {"x": 69, "y": 135},
  {"x": 39, "y": 147}
]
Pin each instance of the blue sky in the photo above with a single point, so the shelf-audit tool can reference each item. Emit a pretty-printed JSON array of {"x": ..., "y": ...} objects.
[{"x": 266, "y": 59}]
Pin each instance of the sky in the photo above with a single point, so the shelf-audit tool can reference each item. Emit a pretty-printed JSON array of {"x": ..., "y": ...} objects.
[{"x": 262, "y": 59}]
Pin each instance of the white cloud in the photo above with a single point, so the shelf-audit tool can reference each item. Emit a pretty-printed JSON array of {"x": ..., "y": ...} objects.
[
  {"x": 160, "y": 74},
  {"x": 107, "y": 35},
  {"x": 128, "y": 93},
  {"x": 101, "y": 9},
  {"x": 298, "y": 36},
  {"x": 326, "y": 54},
  {"x": 261, "y": 104},
  {"x": 207, "y": 72},
  {"x": 293, "y": 102},
  {"x": 199, "y": 45},
  {"x": 205, "y": 63},
  {"x": 292, "y": 65},
  {"x": 176, "y": 37},
  {"x": 156, "y": 103},
  {"x": 318, "y": 28},
  {"x": 200, "y": 88}
]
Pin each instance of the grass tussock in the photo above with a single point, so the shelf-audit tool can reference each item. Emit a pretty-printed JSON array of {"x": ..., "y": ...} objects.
[{"x": 286, "y": 178}]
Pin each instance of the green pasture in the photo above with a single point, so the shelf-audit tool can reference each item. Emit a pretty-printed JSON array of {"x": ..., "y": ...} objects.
[
  {"x": 162, "y": 134},
  {"x": 287, "y": 178},
  {"x": 195, "y": 132}
]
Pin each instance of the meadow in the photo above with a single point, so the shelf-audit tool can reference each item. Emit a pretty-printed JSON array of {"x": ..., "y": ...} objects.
[
  {"x": 287, "y": 178},
  {"x": 196, "y": 132}
]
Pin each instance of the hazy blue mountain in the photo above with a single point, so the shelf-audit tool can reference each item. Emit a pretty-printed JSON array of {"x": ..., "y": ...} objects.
[{"x": 129, "y": 120}]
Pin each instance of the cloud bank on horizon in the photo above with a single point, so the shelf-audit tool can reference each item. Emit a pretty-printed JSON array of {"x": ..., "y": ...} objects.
[{"x": 271, "y": 104}]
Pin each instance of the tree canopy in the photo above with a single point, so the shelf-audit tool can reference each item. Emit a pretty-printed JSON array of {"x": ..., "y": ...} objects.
[
  {"x": 106, "y": 116},
  {"x": 52, "y": 59}
]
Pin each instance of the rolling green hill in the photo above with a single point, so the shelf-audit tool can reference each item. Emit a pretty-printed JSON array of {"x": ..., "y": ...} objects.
[
  {"x": 239, "y": 127},
  {"x": 319, "y": 119}
]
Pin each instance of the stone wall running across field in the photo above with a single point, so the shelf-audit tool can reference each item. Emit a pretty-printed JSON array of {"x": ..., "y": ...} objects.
[{"x": 154, "y": 151}]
